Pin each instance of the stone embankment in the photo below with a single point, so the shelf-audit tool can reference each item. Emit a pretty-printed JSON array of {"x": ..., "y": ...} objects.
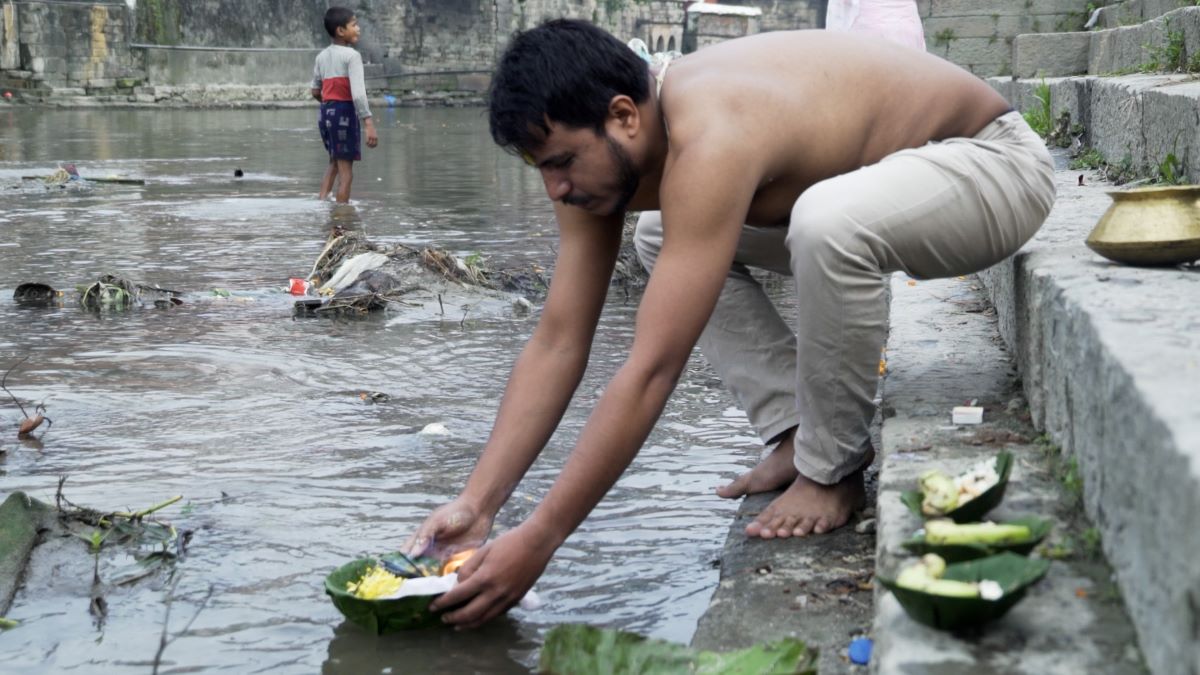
[{"x": 1088, "y": 373}]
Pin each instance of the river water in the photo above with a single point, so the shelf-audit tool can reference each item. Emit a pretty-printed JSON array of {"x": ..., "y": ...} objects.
[{"x": 256, "y": 418}]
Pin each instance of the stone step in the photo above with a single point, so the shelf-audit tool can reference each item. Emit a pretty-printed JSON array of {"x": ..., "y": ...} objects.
[
  {"x": 1132, "y": 12},
  {"x": 1167, "y": 42},
  {"x": 1146, "y": 124},
  {"x": 1108, "y": 357},
  {"x": 945, "y": 350}
]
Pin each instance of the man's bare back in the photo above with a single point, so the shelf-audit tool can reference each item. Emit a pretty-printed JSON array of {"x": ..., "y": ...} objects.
[{"x": 815, "y": 105}]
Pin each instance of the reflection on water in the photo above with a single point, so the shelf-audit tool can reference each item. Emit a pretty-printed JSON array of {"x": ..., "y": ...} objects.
[{"x": 257, "y": 418}]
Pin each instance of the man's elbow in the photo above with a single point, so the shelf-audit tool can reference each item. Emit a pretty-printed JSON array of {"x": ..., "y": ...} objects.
[{"x": 657, "y": 376}]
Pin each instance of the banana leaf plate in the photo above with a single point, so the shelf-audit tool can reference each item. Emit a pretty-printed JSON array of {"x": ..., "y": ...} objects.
[
  {"x": 383, "y": 616},
  {"x": 977, "y": 508},
  {"x": 1013, "y": 572},
  {"x": 952, "y": 553}
]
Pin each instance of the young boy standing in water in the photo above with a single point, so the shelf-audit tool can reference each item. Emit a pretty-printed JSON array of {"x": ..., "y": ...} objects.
[{"x": 339, "y": 85}]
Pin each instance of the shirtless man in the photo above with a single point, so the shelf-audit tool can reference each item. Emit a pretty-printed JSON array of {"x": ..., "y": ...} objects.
[{"x": 766, "y": 151}]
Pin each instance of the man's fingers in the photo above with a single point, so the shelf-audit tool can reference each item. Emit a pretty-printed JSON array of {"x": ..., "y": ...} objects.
[
  {"x": 472, "y": 564},
  {"x": 463, "y": 591},
  {"x": 417, "y": 543},
  {"x": 479, "y": 611}
]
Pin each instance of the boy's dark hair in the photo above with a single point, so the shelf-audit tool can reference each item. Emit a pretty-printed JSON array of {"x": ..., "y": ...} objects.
[
  {"x": 335, "y": 18},
  {"x": 564, "y": 70}
]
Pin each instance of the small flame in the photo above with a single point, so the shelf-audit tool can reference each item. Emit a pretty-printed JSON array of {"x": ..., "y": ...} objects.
[{"x": 456, "y": 561}]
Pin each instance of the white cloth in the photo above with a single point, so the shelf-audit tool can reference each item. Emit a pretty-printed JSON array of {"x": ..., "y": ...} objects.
[
  {"x": 840, "y": 14},
  {"x": 896, "y": 20}
]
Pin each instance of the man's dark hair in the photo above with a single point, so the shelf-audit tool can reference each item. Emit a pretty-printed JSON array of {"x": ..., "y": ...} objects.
[
  {"x": 335, "y": 18},
  {"x": 564, "y": 70}
]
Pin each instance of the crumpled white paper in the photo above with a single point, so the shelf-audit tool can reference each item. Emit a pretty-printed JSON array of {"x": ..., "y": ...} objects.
[{"x": 436, "y": 585}]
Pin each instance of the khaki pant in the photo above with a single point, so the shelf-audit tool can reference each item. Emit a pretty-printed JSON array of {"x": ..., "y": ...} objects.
[{"x": 945, "y": 209}]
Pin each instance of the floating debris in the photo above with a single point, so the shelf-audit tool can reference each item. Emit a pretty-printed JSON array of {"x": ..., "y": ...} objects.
[
  {"x": 108, "y": 293},
  {"x": 37, "y": 295},
  {"x": 30, "y": 423}
]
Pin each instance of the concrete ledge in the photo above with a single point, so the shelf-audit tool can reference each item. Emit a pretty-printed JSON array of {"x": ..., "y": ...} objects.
[
  {"x": 1108, "y": 354},
  {"x": 811, "y": 588},
  {"x": 944, "y": 350},
  {"x": 1051, "y": 54}
]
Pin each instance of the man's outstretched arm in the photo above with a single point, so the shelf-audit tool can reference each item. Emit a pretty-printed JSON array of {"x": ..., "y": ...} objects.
[
  {"x": 703, "y": 212},
  {"x": 541, "y": 384}
]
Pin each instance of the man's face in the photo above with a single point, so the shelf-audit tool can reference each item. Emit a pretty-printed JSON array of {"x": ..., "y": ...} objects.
[
  {"x": 350, "y": 32},
  {"x": 585, "y": 169}
]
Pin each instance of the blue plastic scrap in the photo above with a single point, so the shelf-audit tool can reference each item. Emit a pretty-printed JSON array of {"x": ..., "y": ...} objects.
[{"x": 860, "y": 650}]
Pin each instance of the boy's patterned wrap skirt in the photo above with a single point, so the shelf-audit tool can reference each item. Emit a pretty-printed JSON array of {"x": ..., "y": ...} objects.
[{"x": 340, "y": 131}]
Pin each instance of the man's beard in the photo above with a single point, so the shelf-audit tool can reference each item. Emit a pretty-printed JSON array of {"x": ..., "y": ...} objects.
[{"x": 627, "y": 176}]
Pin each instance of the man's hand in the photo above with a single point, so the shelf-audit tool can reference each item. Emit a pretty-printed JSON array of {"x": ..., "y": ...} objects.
[
  {"x": 451, "y": 528},
  {"x": 497, "y": 576},
  {"x": 372, "y": 137}
]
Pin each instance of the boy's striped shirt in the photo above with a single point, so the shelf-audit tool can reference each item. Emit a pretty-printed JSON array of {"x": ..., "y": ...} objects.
[{"x": 338, "y": 73}]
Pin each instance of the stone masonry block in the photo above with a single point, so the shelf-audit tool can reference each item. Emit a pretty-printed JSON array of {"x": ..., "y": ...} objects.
[
  {"x": 1124, "y": 49},
  {"x": 1070, "y": 95},
  {"x": 1010, "y": 8},
  {"x": 1133, "y": 12},
  {"x": 1003, "y": 85},
  {"x": 1117, "y": 116},
  {"x": 972, "y": 26},
  {"x": 1171, "y": 125},
  {"x": 1051, "y": 54},
  {"x": 966, "y": 51}
]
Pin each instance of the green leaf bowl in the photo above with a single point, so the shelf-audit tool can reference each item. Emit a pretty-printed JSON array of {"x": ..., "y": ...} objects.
[
  {"x": 379, "y": 616},
  {"x": 952, "y": 553},
  {"x": 974, "y": 510},
  {"x": 1014, "y": 573}
]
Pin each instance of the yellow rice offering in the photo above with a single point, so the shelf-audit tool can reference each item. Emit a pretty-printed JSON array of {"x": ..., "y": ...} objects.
[{"x": 375, "y": 583}]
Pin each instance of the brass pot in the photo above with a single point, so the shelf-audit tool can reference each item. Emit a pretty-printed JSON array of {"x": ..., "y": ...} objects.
[{"x": 1150, "y": 226}]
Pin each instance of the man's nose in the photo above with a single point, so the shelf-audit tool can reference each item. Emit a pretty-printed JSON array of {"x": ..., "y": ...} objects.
[{"x": 557, "y": 185}]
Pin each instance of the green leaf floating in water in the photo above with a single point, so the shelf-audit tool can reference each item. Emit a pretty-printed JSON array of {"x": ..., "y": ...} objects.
[{"x": 575, "y": 649}]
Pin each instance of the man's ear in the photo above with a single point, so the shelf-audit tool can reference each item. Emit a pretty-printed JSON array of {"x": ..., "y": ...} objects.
[{"x": 623, "y": 116}]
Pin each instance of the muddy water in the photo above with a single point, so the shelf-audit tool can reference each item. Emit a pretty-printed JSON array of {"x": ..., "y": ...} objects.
[{"x": 256, "y": 418}]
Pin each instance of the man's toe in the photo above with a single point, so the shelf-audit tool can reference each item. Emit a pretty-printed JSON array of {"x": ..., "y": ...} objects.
[
  {"x": 735, "y": 489},
  {"x": 786, "y": 527}
]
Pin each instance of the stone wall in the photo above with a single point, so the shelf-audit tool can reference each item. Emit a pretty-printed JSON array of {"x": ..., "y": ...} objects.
[
  {"x": 442, "y": 42},
  {"x": 786, "y": 14},
  {"x": 66, "y": 44},
  {"x": 978, "y": 34},
  {"x": 232, "y": 23},
  {"x": 708, "y": 24}
]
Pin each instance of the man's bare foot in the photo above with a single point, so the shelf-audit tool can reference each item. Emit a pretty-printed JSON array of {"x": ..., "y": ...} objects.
[
  {"x": 773, "y": 472},
  {"x": 809, "y": 507}
]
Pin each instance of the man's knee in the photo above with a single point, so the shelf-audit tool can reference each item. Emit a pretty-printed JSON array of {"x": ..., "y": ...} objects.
[
  {"x": 819, "y": 225},
  {"x": 647, "y": 237}
]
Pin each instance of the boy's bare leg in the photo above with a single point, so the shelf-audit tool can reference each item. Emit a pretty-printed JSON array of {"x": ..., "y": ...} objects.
[
  {"x": 331, "y": 172},
  {"x": 806, "y": 506},
  {"x": 345, "y": 173}
]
